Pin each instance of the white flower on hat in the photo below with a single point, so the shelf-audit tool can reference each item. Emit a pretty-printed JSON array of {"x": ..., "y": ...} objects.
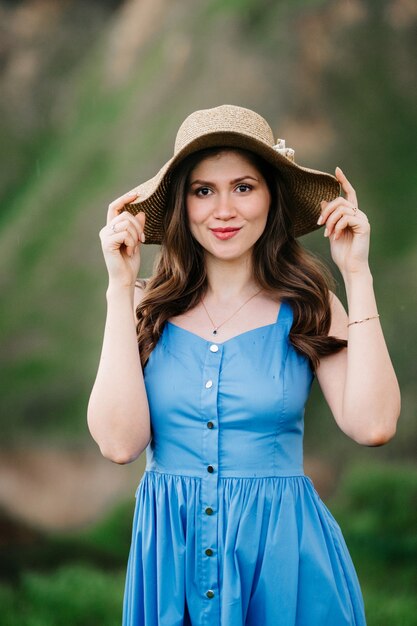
[{"x": 287, "y": 152}]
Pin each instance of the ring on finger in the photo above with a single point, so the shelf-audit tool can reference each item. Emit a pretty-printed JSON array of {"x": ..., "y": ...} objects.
[
  {"x": 355, "y": 210},
  {"x": 113, "y": 227}
]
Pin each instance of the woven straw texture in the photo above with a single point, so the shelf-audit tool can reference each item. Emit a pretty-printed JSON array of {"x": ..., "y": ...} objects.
[{"x": 234, "y": 126}]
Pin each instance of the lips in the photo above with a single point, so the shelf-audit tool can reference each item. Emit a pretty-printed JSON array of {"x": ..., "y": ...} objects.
[{"x": 225, "y": 233}]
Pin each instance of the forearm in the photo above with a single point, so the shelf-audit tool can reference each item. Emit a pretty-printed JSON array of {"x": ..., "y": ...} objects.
[
  {"x": 371, "y": 400},
  {"x": 118, "y": 411}
]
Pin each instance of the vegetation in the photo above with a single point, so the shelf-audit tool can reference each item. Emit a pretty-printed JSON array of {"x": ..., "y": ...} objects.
[
  {"x": 336, "y": 80},
  {"x": 321, "y": 73}
]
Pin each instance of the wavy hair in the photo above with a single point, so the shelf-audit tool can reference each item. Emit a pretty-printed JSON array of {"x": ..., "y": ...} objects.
[{"x": 280, "y": 265}]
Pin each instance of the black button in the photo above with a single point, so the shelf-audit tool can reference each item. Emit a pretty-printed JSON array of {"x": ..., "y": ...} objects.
[
  {"x": 209, "y": 510},
  {"x": 210, "y": 425},
  {"x": 210, "y": 593},
  {"x": 210, "y": 469},
  {"x": 209, "y": 552}
]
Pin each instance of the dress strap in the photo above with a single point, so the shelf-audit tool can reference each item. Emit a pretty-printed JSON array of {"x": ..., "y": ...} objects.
[{"x": 285, "y": 311}]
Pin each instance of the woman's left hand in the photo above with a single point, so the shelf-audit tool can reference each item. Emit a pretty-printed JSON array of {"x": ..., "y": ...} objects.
[{"x": 347, "y": 228}]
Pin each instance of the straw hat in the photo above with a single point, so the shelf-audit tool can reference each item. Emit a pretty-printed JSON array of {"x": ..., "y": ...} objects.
[{"x": 235, "y": 126}]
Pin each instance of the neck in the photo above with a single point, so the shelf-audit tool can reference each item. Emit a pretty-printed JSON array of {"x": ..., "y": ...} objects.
[{"x": 229, "y": 281}]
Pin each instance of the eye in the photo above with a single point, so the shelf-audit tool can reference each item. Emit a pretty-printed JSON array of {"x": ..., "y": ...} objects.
[
  {"x": 243, "y": 187},
  {"x": 201, "y": 192}
]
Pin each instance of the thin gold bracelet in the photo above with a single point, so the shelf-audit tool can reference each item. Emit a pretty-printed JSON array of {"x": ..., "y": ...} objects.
[{"x": 365, "y": 319}]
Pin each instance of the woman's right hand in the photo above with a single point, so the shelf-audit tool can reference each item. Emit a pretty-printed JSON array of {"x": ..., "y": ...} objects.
[{"x": 121, "y": 241}]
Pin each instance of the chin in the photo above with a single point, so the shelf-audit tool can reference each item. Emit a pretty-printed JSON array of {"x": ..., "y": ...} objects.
[{"x": 229, "y": 254}]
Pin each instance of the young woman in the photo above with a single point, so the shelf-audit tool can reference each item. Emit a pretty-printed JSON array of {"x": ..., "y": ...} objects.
[{"x": 208, "y": 365}]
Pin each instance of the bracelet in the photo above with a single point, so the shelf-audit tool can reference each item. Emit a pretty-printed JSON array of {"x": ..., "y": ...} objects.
[{"x": 365, "y": 319}]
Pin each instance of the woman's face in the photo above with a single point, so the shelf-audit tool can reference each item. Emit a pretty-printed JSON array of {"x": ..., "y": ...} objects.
[{"x": 227, "y": 202}]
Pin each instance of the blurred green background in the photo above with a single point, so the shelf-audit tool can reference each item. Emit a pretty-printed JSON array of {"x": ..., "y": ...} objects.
[{"x": 92, "y": 94}]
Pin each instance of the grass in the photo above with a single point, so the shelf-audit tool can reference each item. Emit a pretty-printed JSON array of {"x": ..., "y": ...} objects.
[
  {"x": 74, "y": 595},
  {"x": 376, "y": 509}
]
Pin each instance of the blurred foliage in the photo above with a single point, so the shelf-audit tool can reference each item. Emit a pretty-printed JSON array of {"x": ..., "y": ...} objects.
[
  {"x": 98, "y": 114},
  {"x": 376, "y": 507},
  {"x": 334, "y": 78},
  {"x": 383, "y": 501},
  {"x": 90, "y": 108},
  {"x": 74, "y": 595}
]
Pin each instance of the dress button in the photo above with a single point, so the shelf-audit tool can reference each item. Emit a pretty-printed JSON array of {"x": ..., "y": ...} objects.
[
  {"x": 210, "y": 593},
  {"x": 209, "y": 510},
  {"x": 214, "y": 348},
  {"x": 210, "y": 469},
  {"x": 209, "y": 552},
  {"x": 210, "y": 425},
  {"x": 209, "y": 384}
]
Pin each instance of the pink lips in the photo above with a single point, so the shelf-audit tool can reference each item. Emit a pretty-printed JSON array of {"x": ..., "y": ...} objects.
[{"x": 224, "y": 233}]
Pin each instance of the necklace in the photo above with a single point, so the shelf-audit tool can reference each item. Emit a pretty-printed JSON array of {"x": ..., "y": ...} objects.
[{"x": 216, "y": 327}]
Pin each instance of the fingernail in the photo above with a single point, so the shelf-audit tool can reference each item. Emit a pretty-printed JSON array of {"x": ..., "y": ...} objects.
[
  {"x": 142, "y": 237},
  {"x": 326, "y": 231},
  {"x": 320, "y": 220},
  {"x": 132, "y": 194}
]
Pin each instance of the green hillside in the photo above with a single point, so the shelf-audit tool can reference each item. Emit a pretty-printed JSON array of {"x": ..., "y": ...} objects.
[
  {"x": 333, "y": 78},
  {"x": 92, "y": 96}
]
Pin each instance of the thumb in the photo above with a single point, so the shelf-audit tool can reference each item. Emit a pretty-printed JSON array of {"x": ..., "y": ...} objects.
[{"x": 140, "y": 217}]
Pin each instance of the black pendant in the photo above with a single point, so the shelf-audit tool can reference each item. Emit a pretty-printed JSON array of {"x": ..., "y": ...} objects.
[{"x": 215, "y": 331}]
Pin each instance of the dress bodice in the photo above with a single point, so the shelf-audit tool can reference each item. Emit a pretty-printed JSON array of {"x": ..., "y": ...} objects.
[
  {"x": 237, "y": 406},
  {"x": 228, "y": 530}
]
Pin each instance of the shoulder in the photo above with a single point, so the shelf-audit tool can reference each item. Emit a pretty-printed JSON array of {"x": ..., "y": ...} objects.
[
  {"x": 140, "y": 286},
  {"x": 339, "y": 318}
]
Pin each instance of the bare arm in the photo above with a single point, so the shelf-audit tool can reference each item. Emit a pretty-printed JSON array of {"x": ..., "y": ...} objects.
[
  {"x": 118, "y": 411},
  {"x": 359, "y": 382}
]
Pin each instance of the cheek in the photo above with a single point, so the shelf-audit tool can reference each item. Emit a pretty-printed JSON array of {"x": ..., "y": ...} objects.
[
  {"x": 191, "y": 214},
  {"x": 192, "y": 210},
  {"x": 263, "y": 208},
  {"x": 194, "y": 219},
  {"x": 196, "y": 212}
]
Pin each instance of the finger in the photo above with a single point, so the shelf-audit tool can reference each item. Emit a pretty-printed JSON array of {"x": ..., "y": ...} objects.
[
  {"x": 341, "y": 225},
  {"x": 125, "y": 218},
  {"x": 123, "y": 221},
  {"x": 327, "y": 208},
  {"x": 138, "y": 221},
  {"x": 335, "y": 216},
  {"x": 129, "y": 241},
  {"x": 127, "y": 237},
  {"x": 117, "y": 205},
  {"x": 346, "y": 186},
  {"x": 141, "y": 218}
]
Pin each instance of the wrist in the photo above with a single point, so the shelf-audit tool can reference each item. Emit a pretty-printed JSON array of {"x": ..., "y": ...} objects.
[
  {"x": 360, "y": 276},
  {"x": 118, "y": 290}
]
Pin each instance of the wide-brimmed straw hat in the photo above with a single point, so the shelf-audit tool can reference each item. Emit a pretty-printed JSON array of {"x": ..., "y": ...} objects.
[{"x": 234, "y": 126}]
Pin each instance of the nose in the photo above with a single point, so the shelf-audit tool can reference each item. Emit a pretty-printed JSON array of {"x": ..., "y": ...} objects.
[{"x": 224, "y": 208}]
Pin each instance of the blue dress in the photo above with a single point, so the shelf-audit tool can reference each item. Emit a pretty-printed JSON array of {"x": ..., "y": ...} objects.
[{"x": 228, "y": 530}]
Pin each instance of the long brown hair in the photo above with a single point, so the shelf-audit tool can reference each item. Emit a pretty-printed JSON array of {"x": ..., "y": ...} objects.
[{"x": 280, "y": 265}]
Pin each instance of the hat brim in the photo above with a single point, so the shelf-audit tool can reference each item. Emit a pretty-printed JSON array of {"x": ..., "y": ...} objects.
[{"x": 304, "y": 187}]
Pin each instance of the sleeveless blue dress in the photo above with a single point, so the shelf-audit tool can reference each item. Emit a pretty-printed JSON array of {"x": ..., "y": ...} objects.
[{"x": 227, "y": 529}]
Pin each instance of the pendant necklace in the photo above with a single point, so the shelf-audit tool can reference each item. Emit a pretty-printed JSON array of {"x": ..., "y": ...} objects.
[{"x": 216, "y": 327}]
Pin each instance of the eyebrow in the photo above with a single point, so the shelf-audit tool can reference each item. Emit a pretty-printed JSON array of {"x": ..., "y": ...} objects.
[{"x": 232, "y": 182}]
